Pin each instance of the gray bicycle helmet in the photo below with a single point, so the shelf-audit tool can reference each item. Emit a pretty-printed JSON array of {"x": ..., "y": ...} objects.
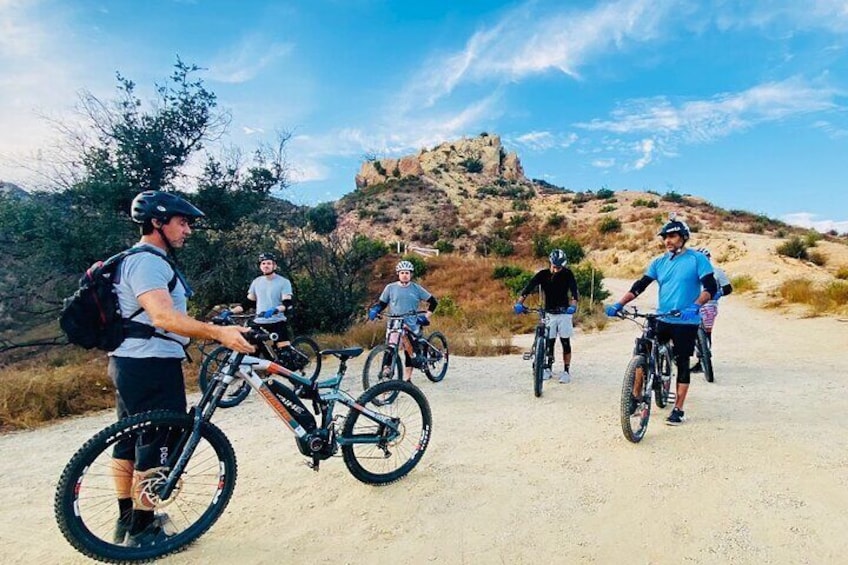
[
  {"x": 558, "y": 258},
  {"x": 675, "y": 226},
  {"x": 162, "y": 206},
  {"x": 405, "y": 266}
]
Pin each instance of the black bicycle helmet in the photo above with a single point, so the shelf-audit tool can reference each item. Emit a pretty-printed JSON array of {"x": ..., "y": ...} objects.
[
  {"x": 267, "y": 257},
  {"x": 558, "y": 258},
  {"x": 675, "y": 226},
  {"x": 162, "y": 206}
]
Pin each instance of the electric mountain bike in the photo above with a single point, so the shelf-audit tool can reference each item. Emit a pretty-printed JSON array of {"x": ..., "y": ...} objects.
[
  {"x": 193, "y": 470},
  {"x": 650, "y": 372},
  {"x": 301, "y": 356},
  {"x": 429, "y": 354},
  {"x": 538, "y": 353}
]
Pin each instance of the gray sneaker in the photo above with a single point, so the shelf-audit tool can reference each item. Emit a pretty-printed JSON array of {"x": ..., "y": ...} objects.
[
  {"x": 564, "y": 377},
  {"x": 546, "y": 374}
]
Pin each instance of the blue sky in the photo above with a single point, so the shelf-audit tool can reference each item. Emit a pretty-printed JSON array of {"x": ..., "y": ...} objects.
[{"x": 740, "y": 102}]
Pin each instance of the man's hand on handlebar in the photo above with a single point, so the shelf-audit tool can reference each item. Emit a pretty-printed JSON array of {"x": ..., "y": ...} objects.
[{"x": 231, "y": 337}]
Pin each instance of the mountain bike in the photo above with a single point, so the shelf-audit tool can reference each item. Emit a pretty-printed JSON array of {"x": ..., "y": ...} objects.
[
  {"x": 429, "y": 354},
  {"x": 539, "y": 352},
  {"x": 650, "y": 371},
  {"x": 704, "y": 353},
  {"x": 301, "y": 356},
  {"x": 194, "y": 470}
]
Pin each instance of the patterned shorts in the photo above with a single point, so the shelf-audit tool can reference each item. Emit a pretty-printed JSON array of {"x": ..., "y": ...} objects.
[{"x": 709, "y": 311}]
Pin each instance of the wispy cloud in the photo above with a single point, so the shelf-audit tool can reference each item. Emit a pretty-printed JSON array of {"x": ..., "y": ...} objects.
[
  {"x": 244, "y": 61},
  {"x": 812, "y": 221},
  {"x": 543, "y": 140}
]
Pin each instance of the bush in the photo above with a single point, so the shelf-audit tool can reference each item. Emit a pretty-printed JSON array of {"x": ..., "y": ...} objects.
[
  {"x": 506, "y": 272},
  {"x": 502, "y": 247},
  {"x": 573, "y": 249},
  {"x": 472, "y": 165},
  {"x": 555, "y": 220},
  {"x": 842, "y": 272},
  {"x": 609, "y": 225},
  {"x": 645, "y": 202},
  {"x": 590, "y": 282},
  {"x": 817, "y": 258},
  {"x": 417, "y": 262},
  {"x": 743, "y": 283},
  {"x": 517, "y": 283},
  {"x": 604, "y": 193},
  {"x": 445, "y": 246},
  {"x": 672, "y": 196},
  {"x": 794, "y": 248},
  {"x": 447, "y": 307},
  {"x": 607, "y": 208}
]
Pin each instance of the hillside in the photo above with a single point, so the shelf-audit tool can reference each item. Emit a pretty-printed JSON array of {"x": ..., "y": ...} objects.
[{"x": 473, "y": 197}]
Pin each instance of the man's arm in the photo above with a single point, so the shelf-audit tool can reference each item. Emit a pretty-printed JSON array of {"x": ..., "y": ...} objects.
[{"x": 159, "y": 307}]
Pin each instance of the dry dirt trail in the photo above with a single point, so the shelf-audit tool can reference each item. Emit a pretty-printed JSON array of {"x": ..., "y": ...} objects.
[{"x": 758, "y": 474}]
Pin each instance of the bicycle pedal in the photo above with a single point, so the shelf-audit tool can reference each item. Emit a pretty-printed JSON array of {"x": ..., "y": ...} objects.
[{"x": 527, "y": 355}]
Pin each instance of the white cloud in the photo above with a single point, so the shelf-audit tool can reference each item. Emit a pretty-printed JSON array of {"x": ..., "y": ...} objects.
[
  {"x": 544, "y": 140},
  {"x": 243, "y": 62},
  {"x": 808, "y": 220},
  {"x": 603, "y": 163},
  {"x": 646, "y": 149}
]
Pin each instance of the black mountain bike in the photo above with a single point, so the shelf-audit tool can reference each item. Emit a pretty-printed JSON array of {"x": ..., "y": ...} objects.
[
  {"x": 539, "y": 352},
  {"x": 650, "y": 371},
  {"x": 429, "y": 354},
  {"x": 302, "y": 357},
  {"x": 196, "y": 473},
  {"x": 704, "y": 353}
]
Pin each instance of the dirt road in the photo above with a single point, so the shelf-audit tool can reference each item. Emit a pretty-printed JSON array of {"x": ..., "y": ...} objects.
[{"x": 758, "y": 474}]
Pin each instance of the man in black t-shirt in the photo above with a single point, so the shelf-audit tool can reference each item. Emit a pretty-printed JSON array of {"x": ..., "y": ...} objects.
[{"x": 560, "y": 290}]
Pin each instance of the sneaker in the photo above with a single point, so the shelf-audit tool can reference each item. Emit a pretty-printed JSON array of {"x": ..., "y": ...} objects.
[
  {"x": 697, "y": 368},
  {"x": 546, "y": 374},
  {"x": 564, "y": 377},
  {"x": 122, "y": 528},
  {"x": 158, "y": 531},
  {"x": 675, "y": 418}
]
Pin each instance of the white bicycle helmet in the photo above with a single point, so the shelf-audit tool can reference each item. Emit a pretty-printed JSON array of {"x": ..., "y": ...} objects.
[
  {"x": 405, "y": 266},
  {"x": 558, "y": 258}
]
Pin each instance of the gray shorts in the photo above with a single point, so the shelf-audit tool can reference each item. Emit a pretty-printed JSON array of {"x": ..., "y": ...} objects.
[{"x": 559, "y": 324}]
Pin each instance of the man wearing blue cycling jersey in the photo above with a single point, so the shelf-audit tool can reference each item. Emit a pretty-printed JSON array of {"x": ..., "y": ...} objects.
[{"x": 686, "y": 282}]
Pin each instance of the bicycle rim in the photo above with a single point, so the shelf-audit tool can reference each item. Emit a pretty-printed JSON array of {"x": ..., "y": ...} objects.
[
  {"x": 382, "y": 365},
  {"x": 86, "y": 507},
  {"x": 310, "y": 363},
  {"x": 635, "y": 425},
  {"x": 376, "y": 455},
  {"x": 436, "y": 357}
]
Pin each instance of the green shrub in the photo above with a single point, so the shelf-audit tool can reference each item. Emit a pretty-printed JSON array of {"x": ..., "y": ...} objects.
[
  {"x": 417, "y": 262},
  {"x": 604, "y": 193},
  {"x": 472, "y": 165},
  {"x": 447, "y": 307},
  {"x": 672, "y": 196},
  {"x": 842, "y": 272},
  {"x": 502, "y": 247},
  {"x": 378, "y": 166},
  {"x": 573, "y": 250},
  {"x": 609, "y": 224},
  {"x": 445, "y": 246},
  {"x": 817, "y": 258},
  {"x": 794, "y": 247},
  {"x": 506, "y": 272},
  {"x": 743, "y": 283},
  {"x": 588, "y": 279},
  {"x": 607, "y": 208},
  {"x": 517, "y": 283},
  {"x": 555, "y": 220}
]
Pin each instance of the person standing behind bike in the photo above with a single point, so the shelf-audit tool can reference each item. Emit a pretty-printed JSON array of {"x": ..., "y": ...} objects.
[
  {"x": 681, "y": 274},
  {"x": 272, "y": 295},
  {"x": 557, "y": 284},
  {"x": 147, "y": 372},
  {"x": 402, "y": 297},
  {"x": 709, "y": 311}
]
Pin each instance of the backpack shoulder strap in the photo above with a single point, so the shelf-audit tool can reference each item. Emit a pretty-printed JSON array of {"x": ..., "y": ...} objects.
[{"x": 172, "y": 284}]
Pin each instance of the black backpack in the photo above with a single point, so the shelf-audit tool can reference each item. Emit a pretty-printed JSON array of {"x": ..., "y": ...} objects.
[{"x": 91, "y": 317}]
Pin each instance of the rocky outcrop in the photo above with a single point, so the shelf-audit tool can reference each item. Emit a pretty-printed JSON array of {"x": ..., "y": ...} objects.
[{"x": 479, "y": 155}]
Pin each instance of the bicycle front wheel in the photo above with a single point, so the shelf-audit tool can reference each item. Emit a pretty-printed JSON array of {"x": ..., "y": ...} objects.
[
  {"x": 383, "y": 364},
  {"x": 308, "y": 360},
  {"x": 705, "y": 354},
  {"x": 635, "y": 399},
  {"x": 378, "y": 454},
  {"x": 86, "y": 506},
  {"x": 538, "y": 366},
  {"x": 436, "y": 357},
  {"x": 214, "y": 363}
]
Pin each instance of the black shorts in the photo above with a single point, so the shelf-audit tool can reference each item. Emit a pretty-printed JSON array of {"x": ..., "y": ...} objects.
[
  {"x": 145, "y": 384},
  {"x": 682, "y": 336}
]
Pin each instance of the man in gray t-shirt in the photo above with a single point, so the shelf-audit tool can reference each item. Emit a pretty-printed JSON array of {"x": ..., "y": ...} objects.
[
  {"x": 402, "y": 297},
  {"x": 272, "y": 294}
]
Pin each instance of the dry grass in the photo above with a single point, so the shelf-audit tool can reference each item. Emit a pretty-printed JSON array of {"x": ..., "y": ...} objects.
[
  {"x": 743, "y": 283},
  {"x": 822, "y": 299}
]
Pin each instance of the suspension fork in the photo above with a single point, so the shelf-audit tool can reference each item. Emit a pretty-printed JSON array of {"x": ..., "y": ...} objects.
[{"x": 185, "y": 449}]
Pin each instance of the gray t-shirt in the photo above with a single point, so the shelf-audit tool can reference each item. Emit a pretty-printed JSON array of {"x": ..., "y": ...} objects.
[
  {"x": 269, "y": 294},
  {"x": 140, "y": 273},
  {"x": 403, "y": 299}
]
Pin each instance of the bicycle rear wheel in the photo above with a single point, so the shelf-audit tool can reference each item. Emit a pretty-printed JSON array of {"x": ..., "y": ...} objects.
[
  {"x": 383, "y": 364},
  {"x": 705, "y": 354},
  {"x": 375, "y": 453},
  {"x": 214, "y": 363},
  {"x": 635, "y": 408},
  {"x": 538, "y": 366},
  {"x": 436, "y": 357},
  {"x": 85, "y": 503},
  {"x": 662, "y": 387},
  {"x": 308, "y": 362}
]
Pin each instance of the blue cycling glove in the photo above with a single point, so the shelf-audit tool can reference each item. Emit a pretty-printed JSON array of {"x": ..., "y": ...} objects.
[
  {"x": 571, "y": 309},
  {"x": 691, "y": 314},
  {"x": 268, "y": 313},
  {"x": 519, "y": 308},
  {"x": 423, "y": 321},
  {"x": 373, "y": 312},
  {"x": 613, "y": 310}
]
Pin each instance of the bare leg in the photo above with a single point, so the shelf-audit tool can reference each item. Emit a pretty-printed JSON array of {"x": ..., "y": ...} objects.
[{"x": 682, "y": 389}]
